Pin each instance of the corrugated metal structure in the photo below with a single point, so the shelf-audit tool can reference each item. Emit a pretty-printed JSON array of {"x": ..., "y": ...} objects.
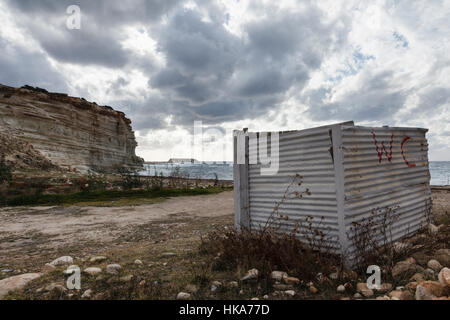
[{"x": 347, "y": 172}]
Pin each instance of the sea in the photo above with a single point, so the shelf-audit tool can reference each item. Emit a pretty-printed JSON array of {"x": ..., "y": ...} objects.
[{"x": 223, "y": 170}]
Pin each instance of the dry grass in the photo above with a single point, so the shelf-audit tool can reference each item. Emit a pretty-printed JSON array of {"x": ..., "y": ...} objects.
[{"x": 268, "y": 248}]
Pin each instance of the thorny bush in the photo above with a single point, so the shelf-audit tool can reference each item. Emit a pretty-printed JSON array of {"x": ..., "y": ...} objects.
[{"x": 303, "y": 251}]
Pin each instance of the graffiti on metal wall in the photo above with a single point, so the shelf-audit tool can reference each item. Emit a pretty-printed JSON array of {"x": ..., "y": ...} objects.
[{"x": 384, "y": 151}]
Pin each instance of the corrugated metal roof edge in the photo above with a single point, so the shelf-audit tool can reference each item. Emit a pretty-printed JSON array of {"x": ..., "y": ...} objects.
[
  {"x": 384, "y": 127},
  {"x": 346, "y": 123}
]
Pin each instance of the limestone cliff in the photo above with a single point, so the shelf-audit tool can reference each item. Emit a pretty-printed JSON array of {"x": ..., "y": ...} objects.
[{"x": 67, "y": 132}]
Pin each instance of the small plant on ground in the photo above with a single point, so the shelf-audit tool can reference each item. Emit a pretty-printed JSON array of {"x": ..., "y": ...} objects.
[
  {"x": 5, "y": 177},
  {"x": 5, "y": 171},
  {"x": 130, "y": 180},
  {"x": 373, "y": 240},
  {"x": 303, "y": 250}
]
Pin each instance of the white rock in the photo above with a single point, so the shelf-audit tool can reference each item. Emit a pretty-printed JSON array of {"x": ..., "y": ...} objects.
[
  {"x": 334, "y": 276},
  {"x": 423, "y": 294},
  {"x": 127, "y": 278},
  {"x": 251, "y": 274},
  {"x": 169, "y": 254},
  {"x": 429, "y": 272},
  {"x": 87, "y": 294},
  {"x": 444, "y": 277},
  {"x": 432, "y": 229},
  {"x": 364, "y": 290},
  {"x": 278, "y": 275},
  {"x": 434, "y": 265},
  {"x": 93, "y": 271},
  {"x": 183, "y": 296},
  {"x": 138, "y": 262},
  {"x": 113, "y": 268},
  {"x": 341, "y": 288},
  {"x": 216, "y": 283},
  {"x": 16, "y": 282},
  {"x": 98, "y": 259},
  {"x": 62, "y": 260},
  {"x": 290, "y": 293},
  {"x": 48, "y": 267}
]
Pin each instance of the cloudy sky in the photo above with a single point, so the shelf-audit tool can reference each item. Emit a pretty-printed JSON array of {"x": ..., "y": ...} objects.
[{"x": 265, "y": 65}]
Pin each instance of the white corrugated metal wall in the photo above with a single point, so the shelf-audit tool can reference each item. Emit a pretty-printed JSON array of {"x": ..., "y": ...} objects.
[
  {"x": 340, "y": 165},
  {"x": 308, "y": 153},
  {"x": 397, "y": 175}
]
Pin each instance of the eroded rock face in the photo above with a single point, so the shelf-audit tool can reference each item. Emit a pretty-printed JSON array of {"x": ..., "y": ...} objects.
[{"x": 69, "y": 132}]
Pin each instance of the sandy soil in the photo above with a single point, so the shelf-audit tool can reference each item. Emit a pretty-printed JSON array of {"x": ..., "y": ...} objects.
[
  {"x": 70, "y": 224},
  {"x": 31, "y": 236}
]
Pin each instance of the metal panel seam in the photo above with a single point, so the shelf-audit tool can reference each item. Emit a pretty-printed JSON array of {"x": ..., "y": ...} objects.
[{"x": 336, "y": 136}]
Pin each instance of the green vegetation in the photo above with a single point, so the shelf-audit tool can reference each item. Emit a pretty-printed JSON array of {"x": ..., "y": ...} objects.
[
  {"x": 5, "y": 171},
  {"x": 110, "y": 197}
]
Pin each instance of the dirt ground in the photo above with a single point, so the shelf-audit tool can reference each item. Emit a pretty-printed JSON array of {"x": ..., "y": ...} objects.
[
  {"x": 163, "y": 235},
  {"x": 32, "y": 236},
  {"x": 441, "y": 202}
]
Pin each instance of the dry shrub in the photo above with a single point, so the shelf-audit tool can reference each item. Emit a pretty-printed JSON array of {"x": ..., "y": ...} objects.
[
  {"x": 373, "y": 240},
  {"x": 268, "y": 248},
  {"x": 266, "y": 251}
]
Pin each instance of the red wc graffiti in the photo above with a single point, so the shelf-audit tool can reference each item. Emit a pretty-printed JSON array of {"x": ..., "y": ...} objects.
[
  {"x": 403, "y": 155},
  {"x": 383, "y": 150}
]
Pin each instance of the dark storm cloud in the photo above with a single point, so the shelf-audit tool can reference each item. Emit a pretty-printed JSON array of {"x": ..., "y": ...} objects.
[
  {"x": 168, "y": 78},
  {"x": 216, "y": 76},
  {"x": 262, "y": 82},
  {"x": 210, "y": 74},
  {"x": 285, "y": 33},
  {"x": 106, "y": 12},
  {"x": 151, "y": 113},
  {"x": 86, "y": 47},
  {"x": 19, "y": 66},
  {"x": 197, "y": 47},
  {"x": 98, "y": 40},
  {"x": 374, "y": 100}
]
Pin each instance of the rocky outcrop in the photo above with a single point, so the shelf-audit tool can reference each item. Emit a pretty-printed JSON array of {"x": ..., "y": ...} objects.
[{"x": 52, "y": 128}]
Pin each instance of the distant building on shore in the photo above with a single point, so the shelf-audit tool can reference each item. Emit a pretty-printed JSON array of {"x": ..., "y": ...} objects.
[{"x": 182, "y": 160}]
